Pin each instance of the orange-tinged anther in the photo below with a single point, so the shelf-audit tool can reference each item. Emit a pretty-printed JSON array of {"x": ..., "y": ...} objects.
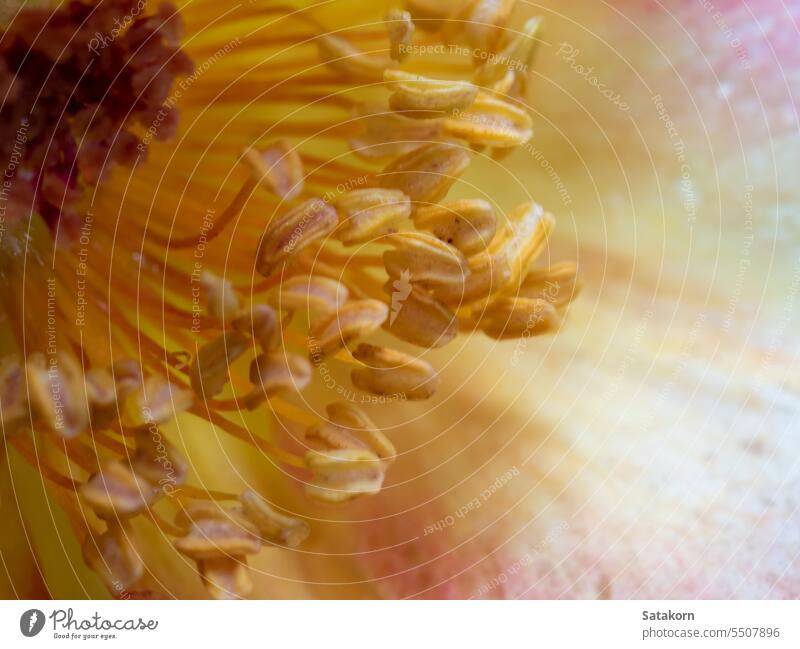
[
  {"x": 418, "y": 96},
  {"x": 310, "y": 293},
  {"x": 273, "y": 527},
  {"x": 116, "y": 491},
  {"x": 288, "y": 234},
  {"x": 468, "y": 224},
  {"x": 369, "y": 213},
  {"x": 428, "y": 261},
  {"x": 388, "y": 372},
  {"x": 426, "y": 174},
  {"x": 209, "y": 369},
  {"x": 518, "y": 317},
  {"x": 278, "y": 167},
  {"x": 354, "y": 320}
]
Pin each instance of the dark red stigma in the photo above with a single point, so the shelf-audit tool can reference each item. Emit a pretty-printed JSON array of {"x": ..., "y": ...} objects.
[{"x": 75, "y": 82}]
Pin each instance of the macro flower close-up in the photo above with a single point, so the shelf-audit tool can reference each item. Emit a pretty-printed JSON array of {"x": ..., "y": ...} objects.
[{"x": 422, "y": 299}]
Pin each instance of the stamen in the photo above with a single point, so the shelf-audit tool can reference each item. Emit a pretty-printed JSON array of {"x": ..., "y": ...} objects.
[
  {"x": 222, "y": 302},
  {"x": 490, "y": 121},
  {"x": 213, "y": 531},
  {"x": 392, "y": 373},
  {"x": 558, "y": 284},
  {"x": 276, "y": 372},
  {"x": 209, "y": 369},
  {"x": 430, "y": 262},
  {"x": 319, "y": 295},
  {"x": 469, "y": 224},
  {"x": 56, "y": 394},
  {"x": 420, "y": 97},
  {"x": 480, "y": 21},
  {"x": 517, "y": 317},
  {"x": 369, "y": 213},
  {"x": 387, "y": 134},
  {"x": 116, "y": 491},
  {"x": 354, "y": 320},
  {"x": 273, "y": 526},
  {"x": 354, "y": 423},
  {"x": 219, "y": 540},
  {"x": 261, "y": 323},
  {"x": 348, "y": 61},
  {"x": 289, "y": 234},
  {"x": 426, "y": 174},
  {"x": 159, "y": 401},
  {"x": 343, "y": 474},
  {"x": 278, "y": 167},
  {"x": 419, "y": 318},
  {"x": 114, "y": 557},
  {"x": 401, "y": 33}
]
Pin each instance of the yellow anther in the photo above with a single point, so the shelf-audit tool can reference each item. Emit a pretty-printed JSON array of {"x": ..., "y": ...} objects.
[
  {"x": 417, "y": 96},
  {"x": 418, "y": 317},
  {"x": 468, "y": 224},
  {"x": 351, "y": 63},
  {"x": 490, "y": 121},
  {"x": 426, "y": 174},
  {"x": 343, "y": 474},
  {"x": 401, "y": 33},
  {"x": 369, "y": 213},
  {"x": 518, "y": 318},
  {"x": 389, "y": 372}
]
